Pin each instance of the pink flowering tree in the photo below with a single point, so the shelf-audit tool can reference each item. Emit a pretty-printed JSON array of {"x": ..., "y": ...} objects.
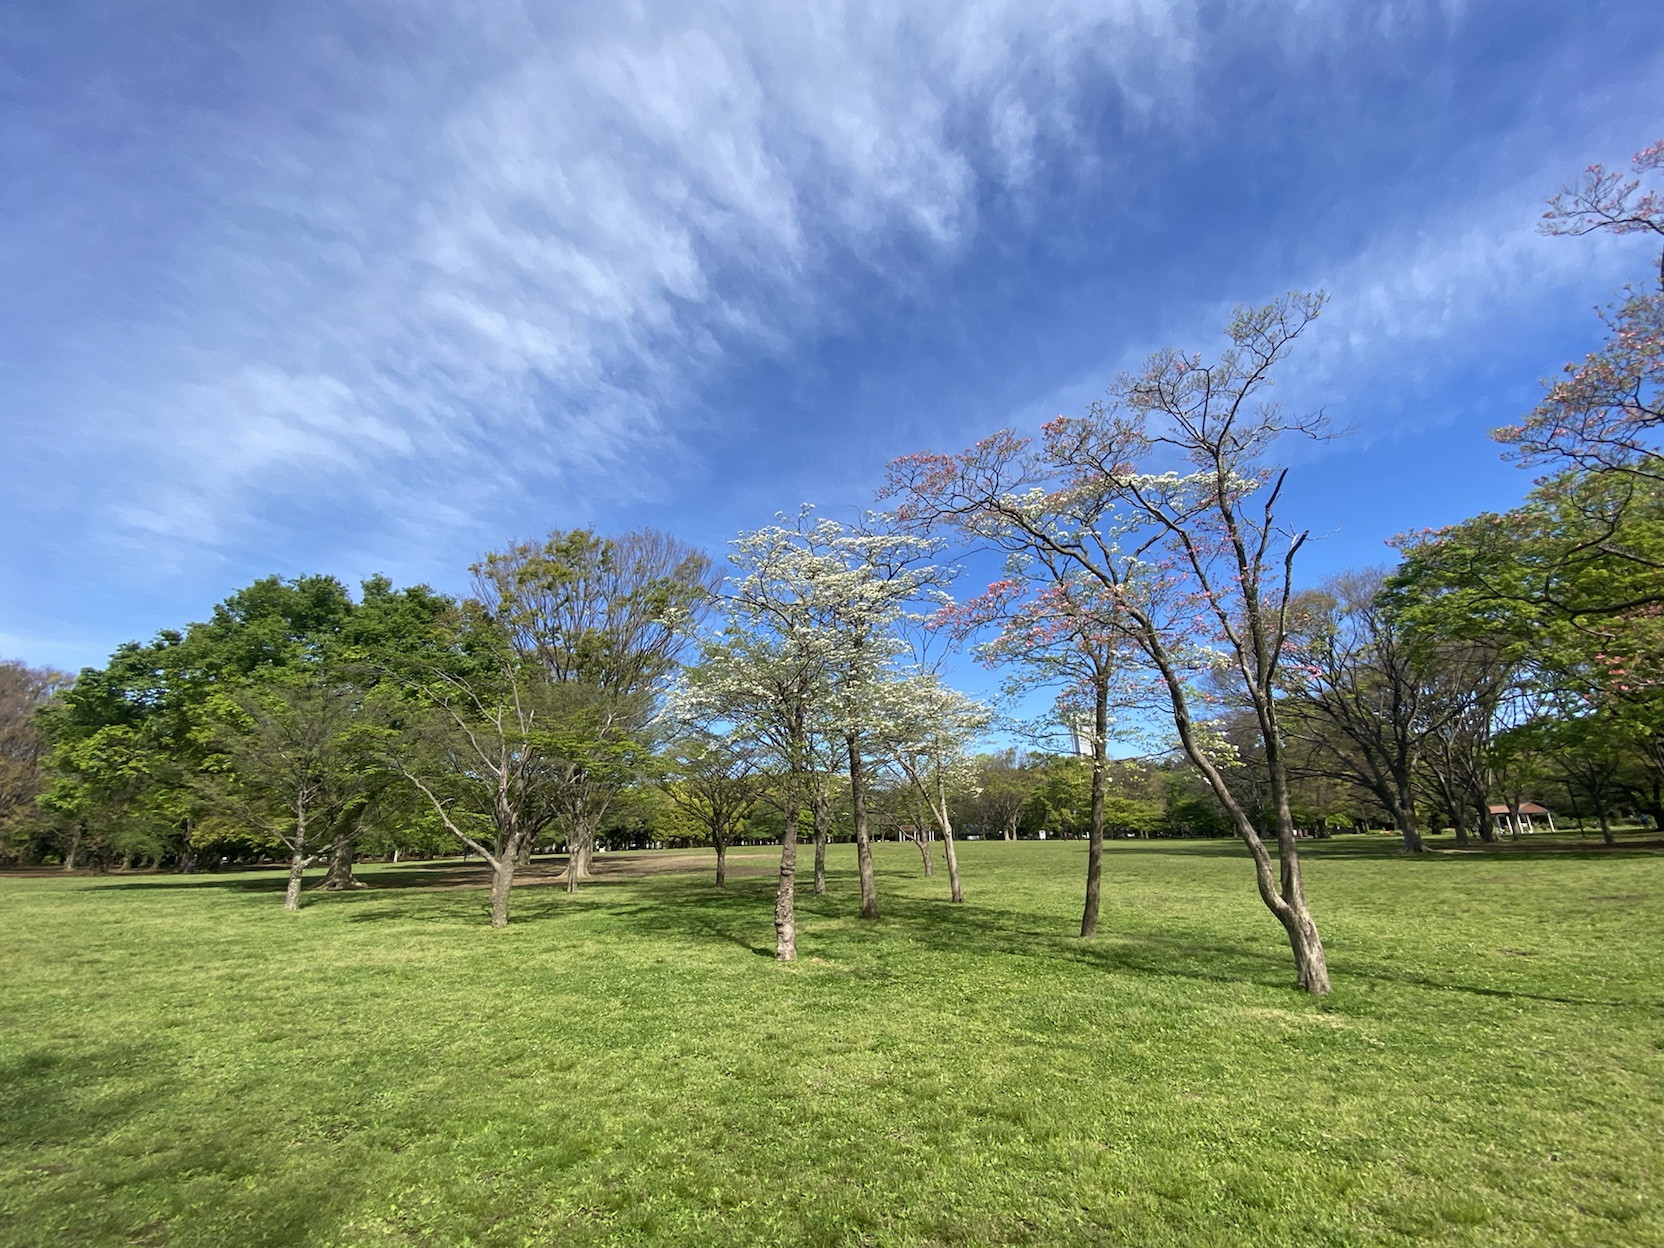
[
  {"x": 1605, "y": 413},
  {"x": 1164, "y": 498},
  {"x": 1048, "y": 625}
]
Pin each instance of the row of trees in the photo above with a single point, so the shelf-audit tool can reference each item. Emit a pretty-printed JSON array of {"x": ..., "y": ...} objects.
[{"x": 1147, "y": 576}]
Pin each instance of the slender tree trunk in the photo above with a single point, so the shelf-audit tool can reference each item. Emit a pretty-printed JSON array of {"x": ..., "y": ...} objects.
[
  {"x": 863, "y": 844},
  {"x": 74, "y": 845},
  {"x": 502, "y": 881},
  {"x": 297, "y": 872},
  {"x": 955, "y": 892},
  {"x": 820, "y": 812},
  {"x": 721, "y": 862},
  {"x": 785, "y": 898},
  {"x": 1095, "y": 832},
  {"x": 1605, "y": 825},
  {"x": 925, "y": 851}
]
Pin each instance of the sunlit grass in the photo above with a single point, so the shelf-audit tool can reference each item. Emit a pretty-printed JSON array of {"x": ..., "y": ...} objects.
[{"x": 183, "y": 1063}]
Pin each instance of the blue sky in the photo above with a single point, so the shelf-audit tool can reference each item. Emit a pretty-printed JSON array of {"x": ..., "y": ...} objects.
[{"x": 357, "y": 287}]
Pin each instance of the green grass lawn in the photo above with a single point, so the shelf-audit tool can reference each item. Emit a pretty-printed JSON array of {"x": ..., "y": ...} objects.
[{"x": 183, "y": 1063}]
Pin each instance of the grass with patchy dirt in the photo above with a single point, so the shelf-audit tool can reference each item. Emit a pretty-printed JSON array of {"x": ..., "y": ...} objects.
[{"x": 181, "y": 1063}]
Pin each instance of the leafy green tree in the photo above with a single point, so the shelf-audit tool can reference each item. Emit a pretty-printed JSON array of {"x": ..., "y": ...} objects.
[
  {"x": 24, "y": 827},
  {"x": 607, "y": 620},
  {"x": 715, "y": 782},
  {"x": 294, "y": 762}
]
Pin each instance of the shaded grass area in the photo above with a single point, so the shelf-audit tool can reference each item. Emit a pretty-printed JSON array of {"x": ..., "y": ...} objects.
[{"x": 182, "y": 1063}]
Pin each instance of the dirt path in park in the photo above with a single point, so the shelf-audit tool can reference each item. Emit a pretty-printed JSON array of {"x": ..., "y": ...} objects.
[
  {"x": 625, "y": 865},
  {"x": 448, "y": 873}
]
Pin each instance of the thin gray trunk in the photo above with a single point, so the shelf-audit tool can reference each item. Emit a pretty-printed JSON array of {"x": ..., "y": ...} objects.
[
  {"x": 820, "y": 812},
  {"x": 1095, "y": 844},
  {"x": 925, "y": 851},
  {"x": 954, "y": 890},
  {"x": 74, "y": 846},
  {"x": 863, "y": 844}
]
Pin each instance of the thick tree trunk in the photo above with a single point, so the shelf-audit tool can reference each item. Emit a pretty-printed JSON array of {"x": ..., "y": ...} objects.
[
  {"x": 1407, "y": 829},
  {"x": 785, "y": 894},
  {"x": 1606, "y": 827},
  {"x": 1095, "y": 832},
  {"x": 74, "y": 846},
  {"x": 340, "y": 876},
  {"x": 722, "y": 864},
  {"x": 502, "y": 881},
  {"x": 863, "y": 844},
  {"x": 580, "y": 854},
  {"x": 297, "y": 872},
  {"x": 1487, "y": 832}
]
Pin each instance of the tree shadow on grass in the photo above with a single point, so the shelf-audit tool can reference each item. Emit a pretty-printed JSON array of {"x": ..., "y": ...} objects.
[{"x": 740, "y": 916}]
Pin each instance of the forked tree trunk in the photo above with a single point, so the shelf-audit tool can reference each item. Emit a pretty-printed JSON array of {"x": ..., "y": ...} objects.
[
  {"x": 1095, "y": 843},
  {"x": 863, "y": 844},
  {"x": 580, "y": 854},
  {"x": 74, "y": 846},
  {"x": 721, "y": 862}
]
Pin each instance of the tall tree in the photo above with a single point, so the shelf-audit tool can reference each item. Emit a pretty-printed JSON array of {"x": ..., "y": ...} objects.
[
  {"x": 1358, "y": 682},
  {"x": 764, "y": 678},
  {"x": 291, "y": 761},
  {"x": 484, "y": 739},
  {"x": 24, "y": 692},
  {"x": 608, "y": 615},
  {"x": 1055, "y": 627},
  {"x": 1198, "y": 564}
]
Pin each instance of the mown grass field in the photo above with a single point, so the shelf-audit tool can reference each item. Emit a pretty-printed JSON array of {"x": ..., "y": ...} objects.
[{"x": 181, "y": 1063}]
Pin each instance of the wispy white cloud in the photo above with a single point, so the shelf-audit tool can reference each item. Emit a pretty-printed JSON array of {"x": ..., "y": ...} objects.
[{"x": 543, "y": 269}]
